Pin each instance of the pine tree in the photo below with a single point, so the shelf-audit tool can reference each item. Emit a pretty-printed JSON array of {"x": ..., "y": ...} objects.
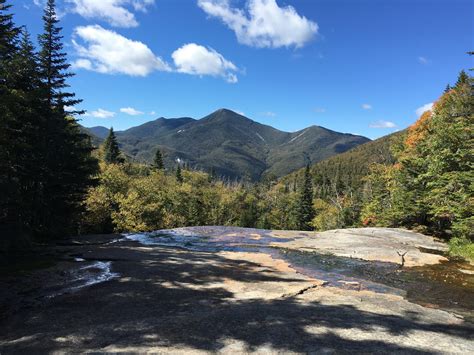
[
  {"x": 463, "y": 78},
  {"x": 158, "y": 161},
  {"x": 111, "y": 148},
  {"x": 8, "y": 35},
  {"x": 305, "y": 212},
  {"x": 448, "y": 88},
  {"x": 179, "y": 175},
  {"x": 26, "y": 109},
  {"x": 68, "y": 165},
  {"x": 9, "y": 187}
]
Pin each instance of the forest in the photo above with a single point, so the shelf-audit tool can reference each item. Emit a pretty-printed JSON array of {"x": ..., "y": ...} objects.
[{"x": 54, "y": 183}]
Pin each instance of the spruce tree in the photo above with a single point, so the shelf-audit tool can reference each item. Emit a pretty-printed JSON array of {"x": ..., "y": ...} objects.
[
  {"x": 305, "y": 211},
  {"x": 463, "y": 78},
  {"x": 179, "y": 175},
  {"x": 69, "y": 168},
  {"x": 9, "y": 187},
  {"x": 158, "y": 161},
  {"x": 111, "y": 148},
  {"x": 26, "y": 127}
]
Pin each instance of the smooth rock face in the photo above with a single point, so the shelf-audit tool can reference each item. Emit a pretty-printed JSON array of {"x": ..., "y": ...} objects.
[
  {"x": 169, "y": 300},
  {"x": 373, "y": 244}
]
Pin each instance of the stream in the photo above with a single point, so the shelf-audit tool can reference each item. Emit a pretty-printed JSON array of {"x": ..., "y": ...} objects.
[{"x": 448, "y": 285}]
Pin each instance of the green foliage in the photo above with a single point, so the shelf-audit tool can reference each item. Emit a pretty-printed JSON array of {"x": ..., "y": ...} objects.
[
  {"x": 305, "y": 207},
  {"x": 433, "y": 182},
  {"x": 45, "y": 160},
  {"x": 158, "y": 161},
  {"x": 461, "y": 247},
  {"x": 179, "y": 175},
  {"x": 111, "y": 150}
]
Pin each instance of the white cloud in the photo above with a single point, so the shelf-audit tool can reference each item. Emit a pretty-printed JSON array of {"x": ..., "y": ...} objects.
[
  {"x": 421, "y": 110},
  {"x": 108, "y": 52},
  {"x": 263, "y": 23},
  {"x": 383, "y": 124},
  {"x": 269, "y": 114},
  {"x": 70, "y": 108},
  {"x": 100, "y": 113},
  {"x": 423, "y": 60},
  {"x": 367, "y": 106},
  {"x": 198, "y": 60},
  {"x": 152, "y": 113},
  {"x": 115, "y": 12},
  {"x": 131, "y": 111}
]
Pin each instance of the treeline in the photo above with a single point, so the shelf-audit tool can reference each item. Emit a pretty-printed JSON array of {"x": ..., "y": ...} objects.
[{"x": 46, "y": 164}]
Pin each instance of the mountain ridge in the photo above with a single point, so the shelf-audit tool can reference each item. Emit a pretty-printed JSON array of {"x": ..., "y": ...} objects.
[{"x": 231, "y": 144}]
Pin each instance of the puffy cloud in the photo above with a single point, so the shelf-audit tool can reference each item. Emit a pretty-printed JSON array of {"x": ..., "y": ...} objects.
[
  {"x": 131, "y": 111},
  {"x": 198, "y": 60},
  {"x": 383, "y": 124},
  {"x": 100, "y": 113},
  {"x": 367, "y": 106},
  {"x": 421, "y": 110},
  {"x": 108, "y": 52},
  {"x": 263, "y": 23},
  {"x": 115, "y": 12}
]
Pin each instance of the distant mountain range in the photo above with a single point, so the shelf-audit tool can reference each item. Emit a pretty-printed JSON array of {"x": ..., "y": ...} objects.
[{"x": 230, "y": 144}]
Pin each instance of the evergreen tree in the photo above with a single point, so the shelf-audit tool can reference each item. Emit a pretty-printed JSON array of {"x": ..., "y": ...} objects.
[
  {"x": 8, "y": 36},
  {"x": 305, "y": 212},
  {"x": 463, "y": 78},
  {"x": 111, "y": 148},
  {"x": 179, "y": 175},
  {"x": 158, "y": 161},
  {"x": 68, "y": 167},
  {"x": 26, "y": 126},
  {"x": 448, "y": 88},
  {"x": 9, "y": 186}
]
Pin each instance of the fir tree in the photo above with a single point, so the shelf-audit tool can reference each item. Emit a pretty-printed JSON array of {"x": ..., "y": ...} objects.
[
  {"x": 305, "y": 212},
  {"x": 9, "y": 187},
  {"x": 68, "y": 168},
  {"x": 158, "y": 161},
  {"x": 179, "y": 175},
  {"x": 111, "y": 148},
  {"x": 463, "y": 78}
]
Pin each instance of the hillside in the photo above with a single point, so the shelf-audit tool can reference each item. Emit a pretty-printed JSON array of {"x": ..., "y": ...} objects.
[
  {"x": 231, "y": 144},
  {"x": 349, "y": 168}
]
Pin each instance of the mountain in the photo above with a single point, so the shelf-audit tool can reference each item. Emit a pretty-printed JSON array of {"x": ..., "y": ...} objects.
[
  {"x": 232, "y": 145},
  {"x": 350, "y": 168}
]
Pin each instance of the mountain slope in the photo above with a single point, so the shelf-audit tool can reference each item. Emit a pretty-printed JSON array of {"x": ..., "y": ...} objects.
[
  {"x": 351, "y": 167},
  {"x": 233, "y": 145}
]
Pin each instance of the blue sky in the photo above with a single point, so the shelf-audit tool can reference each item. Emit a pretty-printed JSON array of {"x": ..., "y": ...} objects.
[{"x": 356, "y": 66}]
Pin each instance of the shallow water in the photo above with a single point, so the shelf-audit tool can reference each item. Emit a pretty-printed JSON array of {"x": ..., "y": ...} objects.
[
  {"x": 439, "y": 286},
  {"x": 91, "y": 273}
]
